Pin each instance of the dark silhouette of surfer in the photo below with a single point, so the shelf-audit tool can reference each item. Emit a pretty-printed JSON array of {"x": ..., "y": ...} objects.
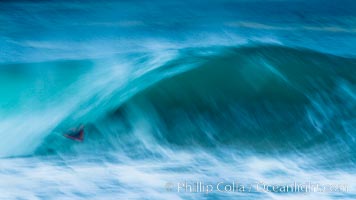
[{"x": 76, "y": 134}]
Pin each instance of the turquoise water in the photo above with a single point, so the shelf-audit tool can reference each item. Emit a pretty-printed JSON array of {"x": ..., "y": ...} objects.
[{"x": 217, "y": 101}]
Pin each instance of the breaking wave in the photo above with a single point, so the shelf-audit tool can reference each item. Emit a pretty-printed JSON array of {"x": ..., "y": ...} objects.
[{"x": 261, "y": 99}]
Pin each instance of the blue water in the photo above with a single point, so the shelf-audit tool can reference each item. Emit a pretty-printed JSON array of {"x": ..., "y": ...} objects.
[{"x": 179, "y": 99}]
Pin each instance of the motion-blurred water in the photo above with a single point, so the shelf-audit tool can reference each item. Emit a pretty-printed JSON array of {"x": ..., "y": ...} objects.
[{"x": 180, "y": 100}]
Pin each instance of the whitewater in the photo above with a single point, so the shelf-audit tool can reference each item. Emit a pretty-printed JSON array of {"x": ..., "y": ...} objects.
[{"x": 221, "y": 100}]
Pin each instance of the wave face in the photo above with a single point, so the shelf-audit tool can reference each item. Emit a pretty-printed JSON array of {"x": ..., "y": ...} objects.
[{"x": 268, "y": 99}]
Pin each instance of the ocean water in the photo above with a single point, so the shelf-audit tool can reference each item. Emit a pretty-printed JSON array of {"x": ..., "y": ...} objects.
[{"x": 179, "y": 99}]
